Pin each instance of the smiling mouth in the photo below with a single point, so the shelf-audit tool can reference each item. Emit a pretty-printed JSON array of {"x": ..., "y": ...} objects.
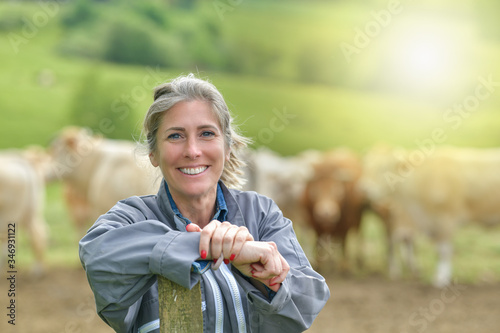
[{"x": 193, "y": 171}]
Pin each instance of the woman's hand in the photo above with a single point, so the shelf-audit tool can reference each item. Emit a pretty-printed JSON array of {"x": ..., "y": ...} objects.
[
  {"x": 260, "y": 260},
  {"x": 263, "y": 262},
  {"x": 221, "y": 238}
]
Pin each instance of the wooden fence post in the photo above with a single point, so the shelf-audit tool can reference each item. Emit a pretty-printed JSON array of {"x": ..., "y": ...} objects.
[{"x": 180, "y": 308}]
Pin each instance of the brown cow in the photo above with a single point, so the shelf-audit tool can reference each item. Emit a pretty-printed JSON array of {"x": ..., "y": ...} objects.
[{"x": 333, "y": 203}]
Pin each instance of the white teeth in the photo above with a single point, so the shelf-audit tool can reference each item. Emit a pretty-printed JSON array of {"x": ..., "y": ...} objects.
[{"x": 193, "y": 171}]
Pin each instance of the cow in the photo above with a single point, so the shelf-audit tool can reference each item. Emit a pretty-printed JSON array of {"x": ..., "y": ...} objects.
[
  {"x": 333, "y": 203},
  {"x": 282, "y": 178},
  {"x": 434, "y": 192},
  {"x": 98, "y": 172},
  {"x": 22, "y": 201}
]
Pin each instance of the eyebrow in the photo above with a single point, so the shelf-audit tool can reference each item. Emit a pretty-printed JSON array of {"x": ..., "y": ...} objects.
[{"x": 182, "y": 129}]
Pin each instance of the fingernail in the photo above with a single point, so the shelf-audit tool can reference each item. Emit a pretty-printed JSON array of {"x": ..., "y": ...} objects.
[
  {"x": 231, "y": 258},
  {"x": 226, "y": 261},
  {"x": 203, "y": 254},
  {"x": 272, "y": 284}
]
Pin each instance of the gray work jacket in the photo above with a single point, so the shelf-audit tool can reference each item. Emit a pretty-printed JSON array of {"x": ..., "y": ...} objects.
[{"x": 140, "y": 238}]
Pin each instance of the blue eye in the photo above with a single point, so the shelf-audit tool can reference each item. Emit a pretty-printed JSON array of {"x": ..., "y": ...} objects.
[
  {"x": 174, "y": 136},
  {"x": 207, "y": 133}
]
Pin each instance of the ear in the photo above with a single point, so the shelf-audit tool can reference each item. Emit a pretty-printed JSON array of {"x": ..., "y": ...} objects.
[
  {"x": 153, "y": 160},
  {"x": 71, "y": 142},
  {"x": 228, "y": 154}
]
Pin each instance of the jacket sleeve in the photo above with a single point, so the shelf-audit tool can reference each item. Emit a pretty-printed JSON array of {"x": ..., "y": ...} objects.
[
  {"x": 122, "y": 254},
  {"x": 303, "y": 293}
]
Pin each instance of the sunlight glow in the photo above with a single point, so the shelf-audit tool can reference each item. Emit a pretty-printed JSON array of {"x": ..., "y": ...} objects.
[{"x": 427, "y": 56}]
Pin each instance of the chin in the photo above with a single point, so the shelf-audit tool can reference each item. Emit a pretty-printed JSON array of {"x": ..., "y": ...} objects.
[{"x": 198, "y": 190}]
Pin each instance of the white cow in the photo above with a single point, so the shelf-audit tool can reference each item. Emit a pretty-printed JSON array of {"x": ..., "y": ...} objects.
[
  {"x": 99, "y": 172},
  {"x": 22, "y": 199},
  {"x": 435, "y": 192}
]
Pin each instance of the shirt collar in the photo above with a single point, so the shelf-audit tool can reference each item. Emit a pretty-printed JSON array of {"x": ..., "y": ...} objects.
[{"x": 220, "y": 203}]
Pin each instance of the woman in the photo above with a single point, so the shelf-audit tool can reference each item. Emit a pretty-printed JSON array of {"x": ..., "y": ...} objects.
[{"x": 264, "y": 283}]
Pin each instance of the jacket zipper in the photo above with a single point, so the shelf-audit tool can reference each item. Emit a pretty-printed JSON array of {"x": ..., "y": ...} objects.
[
  {"x": 235, "y": 293},
  {"x": 219, "y": 307}
]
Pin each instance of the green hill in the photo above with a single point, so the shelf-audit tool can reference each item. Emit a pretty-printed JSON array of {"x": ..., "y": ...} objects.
[{"x": 42, "y": 85}]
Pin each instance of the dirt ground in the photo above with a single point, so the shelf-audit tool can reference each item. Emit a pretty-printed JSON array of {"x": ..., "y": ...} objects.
[{"x": 61, "y": 301}]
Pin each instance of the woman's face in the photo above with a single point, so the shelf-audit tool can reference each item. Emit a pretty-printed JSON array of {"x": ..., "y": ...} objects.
[{"x": 191, "y": 150}]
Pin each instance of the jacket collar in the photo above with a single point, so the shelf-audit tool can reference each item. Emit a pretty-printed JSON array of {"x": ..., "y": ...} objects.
[
  {"x": 164, "y": 204},
  {"x": 234, "y": 215}
]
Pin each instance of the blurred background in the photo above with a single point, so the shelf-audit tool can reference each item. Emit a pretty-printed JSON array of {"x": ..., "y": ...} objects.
[{"x": 297, "y": 76}]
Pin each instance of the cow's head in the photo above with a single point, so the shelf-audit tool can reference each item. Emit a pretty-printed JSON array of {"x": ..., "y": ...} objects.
[
  {"x": 326, "y": 191},
  {"x": 69, "y": 149}
]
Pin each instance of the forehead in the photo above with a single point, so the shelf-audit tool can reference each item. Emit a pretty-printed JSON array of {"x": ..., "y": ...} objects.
[{"x": 188, "y": 113}]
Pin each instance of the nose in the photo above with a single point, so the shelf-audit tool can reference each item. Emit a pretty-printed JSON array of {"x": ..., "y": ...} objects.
[{"x": 192, "y": 149}]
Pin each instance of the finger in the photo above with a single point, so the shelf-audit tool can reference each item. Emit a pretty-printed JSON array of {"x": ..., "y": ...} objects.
[
  {"x": 257, "y": 267},
  {"x": 274, "y": 266},
  {"x": 271, "y": 261},
  {"x": 274, "y": 286},
  {"x": 206, "y": 237},
  {"x": 228, "y": 242},
  {"x": 191, "y": 227},
  {"x": 266, "y": 271},
  {"x": 241, "y": 236},
  {"x": 282, "y": 276},
  {"x": 218, "y": 238},
  {"x": 216, "y": 264}
]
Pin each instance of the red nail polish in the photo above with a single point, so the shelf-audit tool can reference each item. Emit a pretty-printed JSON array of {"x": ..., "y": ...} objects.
[
  {"x": 203, "y": 254},
  {"x": 226, "y": 261},
  {"x": 272, "y": 284},
  {"x": 231, "y": 258}
]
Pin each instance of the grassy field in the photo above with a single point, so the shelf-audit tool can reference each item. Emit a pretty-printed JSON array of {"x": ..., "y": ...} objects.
[{"x": 287, "y": 114}]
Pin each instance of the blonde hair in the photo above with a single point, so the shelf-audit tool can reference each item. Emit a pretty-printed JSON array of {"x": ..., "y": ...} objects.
[{"x": 189, "y": 88}]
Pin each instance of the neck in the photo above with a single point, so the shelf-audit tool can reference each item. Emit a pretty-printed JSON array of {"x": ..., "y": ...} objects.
[{"x": 199, "y": 210}]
